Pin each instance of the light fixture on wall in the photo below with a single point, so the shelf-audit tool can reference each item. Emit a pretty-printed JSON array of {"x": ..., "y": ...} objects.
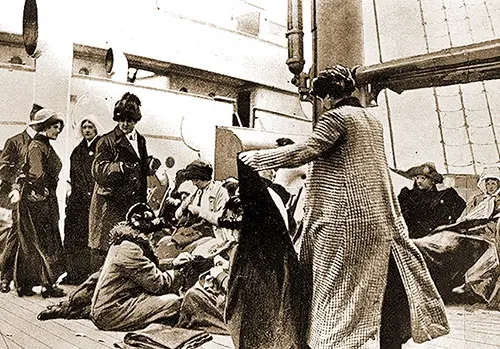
[
  {"x": 84, "y": 71},
  {"x": 16, "y": 60}
]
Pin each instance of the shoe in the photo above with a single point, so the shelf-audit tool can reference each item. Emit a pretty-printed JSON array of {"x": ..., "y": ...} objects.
[
  {"x": 52, "y": 312},
  {"x": 5, "y": 286},
  {"x": 25, "y": 291},
  {"x": 53, "y": 292}
]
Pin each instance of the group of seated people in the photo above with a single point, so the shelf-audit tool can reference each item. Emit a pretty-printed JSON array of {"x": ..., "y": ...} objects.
[
  {"x": 458, "y": 240},
  {"x": 169, "y": 266}
]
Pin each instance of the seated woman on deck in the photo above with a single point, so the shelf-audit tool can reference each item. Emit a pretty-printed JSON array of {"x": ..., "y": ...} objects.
[
  {"x": 483, "y": 278},
  {"x": 132, "y": 291},
  {"x": 451, "y": 250}
]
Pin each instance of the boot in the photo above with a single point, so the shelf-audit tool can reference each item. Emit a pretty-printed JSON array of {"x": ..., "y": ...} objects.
[
  {"x": 5, "y": 286},
  {"x": 53, "y": 291}
]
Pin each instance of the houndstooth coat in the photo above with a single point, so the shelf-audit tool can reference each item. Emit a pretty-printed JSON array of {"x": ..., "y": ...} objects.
[{"x": 352, "y": 223}]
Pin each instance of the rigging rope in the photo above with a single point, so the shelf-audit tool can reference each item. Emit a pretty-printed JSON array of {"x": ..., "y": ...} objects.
[
  {"x": 434, "y": 90},
  {"x": 386, "y": 96},
  {"x": 451, "y": 16}
]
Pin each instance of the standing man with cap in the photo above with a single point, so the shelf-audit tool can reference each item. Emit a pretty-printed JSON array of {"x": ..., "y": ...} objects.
[
  {"x": 120, "y": 169},
  {"x": 11, "y": 162},
  {"x": 424, "y": 207}
]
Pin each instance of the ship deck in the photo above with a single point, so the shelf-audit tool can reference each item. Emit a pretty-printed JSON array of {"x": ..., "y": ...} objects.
[{"x": 472, "y": 327}]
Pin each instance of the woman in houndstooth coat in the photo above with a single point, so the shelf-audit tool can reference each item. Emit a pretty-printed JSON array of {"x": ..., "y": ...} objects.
[{"x": 355, "y": 240}]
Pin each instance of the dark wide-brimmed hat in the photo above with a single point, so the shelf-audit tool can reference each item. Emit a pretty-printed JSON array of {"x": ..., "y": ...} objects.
[
  {"x": 200, "y": 170},
  {"x": 428, "y": 169},
  {"x": 128, "y": 107},
  {"x": 334, "y": 81},
  {"x": 34, "y": 109},
  {"x": 45, "y": 118}
]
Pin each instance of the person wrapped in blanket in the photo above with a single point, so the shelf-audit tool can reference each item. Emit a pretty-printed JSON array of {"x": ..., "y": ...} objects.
[
  {"x": 482, "y": 280},
  {"x": 462, "y": 257},
  {"x": 204, "y": 303}
]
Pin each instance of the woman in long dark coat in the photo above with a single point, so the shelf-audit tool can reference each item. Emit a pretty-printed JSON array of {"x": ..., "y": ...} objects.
[
  {"x": 76, "y": 225},
  {"x": 120, "y": 169},
  {"x": 39, "y": 256}
]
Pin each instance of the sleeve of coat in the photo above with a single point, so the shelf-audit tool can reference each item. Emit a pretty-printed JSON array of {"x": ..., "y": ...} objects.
[
  {"x": 220, "y": 201},
  {"x": 141, "y": 270},
  {"x": 105, "y": 169},
  {"x": 9, "y": 161},
  {"x": 36, "y": 170},
  {"x": 329, "y": 129}
]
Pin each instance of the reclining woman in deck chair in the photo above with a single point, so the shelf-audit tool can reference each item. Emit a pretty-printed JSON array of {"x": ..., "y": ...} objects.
[{"x": 463, "y": 256}]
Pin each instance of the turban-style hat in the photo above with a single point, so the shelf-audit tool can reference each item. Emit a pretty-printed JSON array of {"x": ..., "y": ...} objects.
[
  {"x": 128, "y": 107},
  {"x": 200, "y": 170},
  {"x": 336, "y": 82}
]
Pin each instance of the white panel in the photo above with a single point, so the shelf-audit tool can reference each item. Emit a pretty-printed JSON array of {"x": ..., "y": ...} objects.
[
  {"x": 267, "y": 121},
  {"x": 164, "y": 114}
]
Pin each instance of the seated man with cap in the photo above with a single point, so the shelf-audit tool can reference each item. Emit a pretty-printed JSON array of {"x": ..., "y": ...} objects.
[
  {"x": 199, "y": 213},
  {"x": 425, "y": 207}
]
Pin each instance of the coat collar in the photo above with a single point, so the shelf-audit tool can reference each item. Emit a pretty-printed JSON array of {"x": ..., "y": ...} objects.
[
  {"x": 351, "y": 101},
  {"x": 42, "y": 138},
  {"x": 122, "y": 141}
]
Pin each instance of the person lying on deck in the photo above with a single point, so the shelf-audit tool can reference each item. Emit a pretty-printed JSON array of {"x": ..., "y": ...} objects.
[{"x": 132, "y": 291}]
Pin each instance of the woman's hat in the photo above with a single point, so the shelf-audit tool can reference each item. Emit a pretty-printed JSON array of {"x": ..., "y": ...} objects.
[
  {"x": 139, "y": 213},
  {"x": 34, "y": 109},
  {"x": 200, "y": 170},
  {"x": 492, "y": 172},
  {"x": 428, "y": 169},
  {"x": 45, "y": 118},
  {"x": 94, "y": 119},
  {"x": 128, "y": 107},
  {"x": 334, "y": 81}
]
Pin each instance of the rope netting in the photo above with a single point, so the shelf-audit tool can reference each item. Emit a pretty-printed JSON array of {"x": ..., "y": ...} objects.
[
  {"x": 467, "y": 114},
  {"x": 472, "y": 135}
]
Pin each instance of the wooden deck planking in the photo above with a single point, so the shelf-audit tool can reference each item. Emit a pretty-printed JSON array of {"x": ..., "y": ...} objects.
[
  {"x": 84, "y": 328},
  {"x": 53, "y": 327},
  {"x": 471, "y": 328}
]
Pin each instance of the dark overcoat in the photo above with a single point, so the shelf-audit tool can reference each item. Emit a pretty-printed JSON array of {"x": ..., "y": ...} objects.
[
  {"x": 39, "y": 257},
  {"x": 116, "y": 187},
  {"x": 76, "y": 224},
  {"x": 11, "y": 161},
  {"x": 265, "y": 297},
  {"x": 425, "y": 210}
]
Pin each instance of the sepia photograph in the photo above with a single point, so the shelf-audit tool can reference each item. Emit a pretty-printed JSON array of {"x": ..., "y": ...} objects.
[{"x": 250, "y": 174}]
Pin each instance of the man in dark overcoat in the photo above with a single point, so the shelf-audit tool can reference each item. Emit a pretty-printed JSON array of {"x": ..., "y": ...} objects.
[
  {"x": 11, "y": 162},
  {"x": 120, "y": 169}
]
